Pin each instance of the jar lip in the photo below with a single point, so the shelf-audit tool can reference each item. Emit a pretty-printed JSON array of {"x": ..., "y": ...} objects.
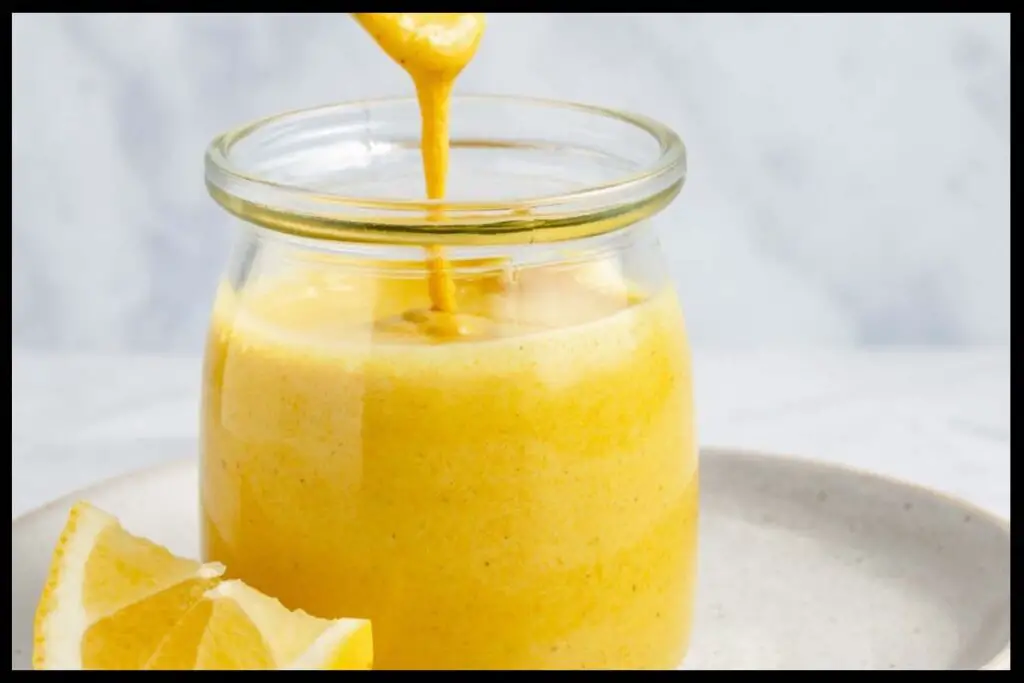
[{"x": 284, "y": 206}]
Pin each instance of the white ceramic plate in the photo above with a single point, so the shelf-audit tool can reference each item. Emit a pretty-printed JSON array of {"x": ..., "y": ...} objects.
[{"x": 803, "y": 565}]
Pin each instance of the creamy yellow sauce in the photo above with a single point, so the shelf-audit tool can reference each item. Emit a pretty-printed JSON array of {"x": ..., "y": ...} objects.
[
  {"x": 527, "y": 499},
  {"x": 519, "y": 495}
]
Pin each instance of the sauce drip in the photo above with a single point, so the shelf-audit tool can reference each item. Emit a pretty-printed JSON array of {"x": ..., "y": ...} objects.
[{"x": 433, "y": 48}]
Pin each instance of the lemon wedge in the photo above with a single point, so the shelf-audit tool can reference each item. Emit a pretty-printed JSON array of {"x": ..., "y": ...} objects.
[
  {"x": 110, "y": 596},
  {"x": 237, "y": 627},
  {"x": 117, "y": 601}
]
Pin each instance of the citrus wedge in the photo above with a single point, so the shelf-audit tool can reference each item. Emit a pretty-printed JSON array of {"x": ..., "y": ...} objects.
[
  {"x": 237, "y": 627},
  {"x": 110, "y": 597}
]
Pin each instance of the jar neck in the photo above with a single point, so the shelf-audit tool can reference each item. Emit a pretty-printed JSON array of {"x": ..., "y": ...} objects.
[
  {"x": 297, "y": 249},
  {"x": 264, "y": 257}
]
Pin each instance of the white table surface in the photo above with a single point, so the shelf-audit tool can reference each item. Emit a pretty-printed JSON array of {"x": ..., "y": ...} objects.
[{"x": 939, "y": 418}]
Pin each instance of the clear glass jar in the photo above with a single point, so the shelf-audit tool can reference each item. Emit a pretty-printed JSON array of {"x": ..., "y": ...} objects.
[{"x": 521, "y": 493}]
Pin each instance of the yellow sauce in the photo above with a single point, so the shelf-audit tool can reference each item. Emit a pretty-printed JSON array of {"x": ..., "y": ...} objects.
[
  {"x": 527, "y": 499},
  {"x": 521, "y": 495}
]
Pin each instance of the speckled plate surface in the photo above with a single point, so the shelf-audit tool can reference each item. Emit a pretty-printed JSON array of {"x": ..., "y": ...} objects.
[{"x": 803, "y": 565}]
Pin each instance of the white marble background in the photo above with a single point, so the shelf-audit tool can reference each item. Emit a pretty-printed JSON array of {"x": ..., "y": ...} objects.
[{"x": 849, "y": 174}]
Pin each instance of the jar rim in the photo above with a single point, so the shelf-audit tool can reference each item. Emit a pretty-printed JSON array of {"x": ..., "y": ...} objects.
[{"x": 590, "y": 210}]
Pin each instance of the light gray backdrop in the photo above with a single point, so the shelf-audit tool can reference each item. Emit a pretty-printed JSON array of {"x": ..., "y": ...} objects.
[{"x": 849, "y": 176}]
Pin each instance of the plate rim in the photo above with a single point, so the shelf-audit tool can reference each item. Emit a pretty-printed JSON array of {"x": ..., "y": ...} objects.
[{"x": 1001, "y": 661}]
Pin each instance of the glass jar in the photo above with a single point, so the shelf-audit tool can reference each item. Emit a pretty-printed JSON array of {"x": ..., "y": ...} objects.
[{"x": 518, "y": 493}]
